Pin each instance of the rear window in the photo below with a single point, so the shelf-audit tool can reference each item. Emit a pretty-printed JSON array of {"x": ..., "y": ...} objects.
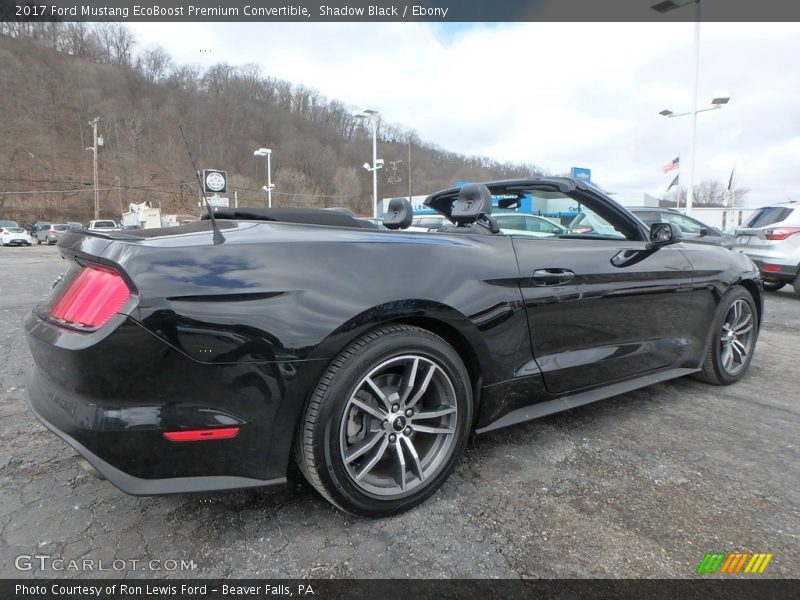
[
  {"x": 769, "y": 215},
  {"x": 15, "y": 230},
  {"x": 104, "y": 224},
  {"x": 60, "y": 227}
]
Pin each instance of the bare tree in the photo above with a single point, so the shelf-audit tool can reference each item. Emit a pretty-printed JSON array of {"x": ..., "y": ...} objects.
[{"x": 154, "y": 63}]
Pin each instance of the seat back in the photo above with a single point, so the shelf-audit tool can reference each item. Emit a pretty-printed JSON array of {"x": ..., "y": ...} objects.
[
  {"x": 399, "y": 214},
  {"x": 472, "y": 211}
]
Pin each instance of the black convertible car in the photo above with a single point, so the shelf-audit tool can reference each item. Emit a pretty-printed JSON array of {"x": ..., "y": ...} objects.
[{"x": 205, "y": 357}]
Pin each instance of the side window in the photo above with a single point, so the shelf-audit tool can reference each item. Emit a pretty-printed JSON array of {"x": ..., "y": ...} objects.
[{"x": 686, "y": 224}]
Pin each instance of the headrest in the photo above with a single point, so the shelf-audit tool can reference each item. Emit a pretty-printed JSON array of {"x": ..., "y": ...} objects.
[
  {"x": 399, "y": 214},
  {"x": 474, "y": 199}
]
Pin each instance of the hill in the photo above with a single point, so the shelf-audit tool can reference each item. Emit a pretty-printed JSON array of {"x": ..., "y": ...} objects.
[{"x": 60, "y": 76}]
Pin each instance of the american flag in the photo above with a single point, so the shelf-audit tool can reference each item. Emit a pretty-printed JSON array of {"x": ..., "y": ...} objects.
[{"x": 672, "y": 165}]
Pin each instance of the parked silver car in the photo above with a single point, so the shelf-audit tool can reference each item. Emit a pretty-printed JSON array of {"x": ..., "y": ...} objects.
[
  {"x": 694, "y": 231},
  {"x": 771, "y": 238},
  {"x": 51, "y": 234}
]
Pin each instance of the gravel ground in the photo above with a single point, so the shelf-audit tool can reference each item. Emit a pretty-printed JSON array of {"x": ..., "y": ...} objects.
[{"x": 641, "y": 485}]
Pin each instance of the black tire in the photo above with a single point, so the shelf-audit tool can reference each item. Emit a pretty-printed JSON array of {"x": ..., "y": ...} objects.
[
  {"x": 38, "y": 241},
  {"x": 716, "y": 369},
  {"x": 773, "y": 286},
  {"x": 426, "y": 458},
  {"x": 796, "y": 284}
]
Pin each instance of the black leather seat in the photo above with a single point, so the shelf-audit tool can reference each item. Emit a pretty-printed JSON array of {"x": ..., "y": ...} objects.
[
  {"x": 472, "y": 211},
  {"x": 399, "y": 214}
]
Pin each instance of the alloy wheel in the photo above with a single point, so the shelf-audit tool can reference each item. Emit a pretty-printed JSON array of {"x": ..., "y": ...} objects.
[
  {"x": 737, "y": 337},
  {"x": 398, "y": 427}
]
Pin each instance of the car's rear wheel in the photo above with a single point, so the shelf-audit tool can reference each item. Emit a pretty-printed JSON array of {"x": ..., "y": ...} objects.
[
  {"x": 733, "y": 339},
  {"x": 773, "y": 286},
  {"x": 387, "y": 422},
  {"x": 796, "y": 284}
]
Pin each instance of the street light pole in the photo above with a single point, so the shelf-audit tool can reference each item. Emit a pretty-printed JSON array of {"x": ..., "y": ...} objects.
[
  {"x": 371, "y": 113},
  {"x": 267, "y": 188},
  {"x": 690, "y": 191}
]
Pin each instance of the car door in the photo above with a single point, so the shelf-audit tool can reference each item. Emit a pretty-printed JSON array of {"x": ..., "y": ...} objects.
[{"x": 602, "y": 308}]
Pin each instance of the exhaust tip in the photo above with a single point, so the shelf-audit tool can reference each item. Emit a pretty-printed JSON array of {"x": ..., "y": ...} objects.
[{"x": 87, "y": 466}]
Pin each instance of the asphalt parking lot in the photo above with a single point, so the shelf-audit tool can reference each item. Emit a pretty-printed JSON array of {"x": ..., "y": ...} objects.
[{"x": 641, "y": 485}]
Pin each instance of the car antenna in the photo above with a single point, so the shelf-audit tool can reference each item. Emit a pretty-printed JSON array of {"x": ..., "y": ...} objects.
[{"x": 218, "y": 237}]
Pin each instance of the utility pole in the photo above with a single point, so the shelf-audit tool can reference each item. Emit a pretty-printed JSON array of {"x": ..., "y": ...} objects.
[
  {"x": 94, "y": 157},
  {"x": 409, "y": 171}
]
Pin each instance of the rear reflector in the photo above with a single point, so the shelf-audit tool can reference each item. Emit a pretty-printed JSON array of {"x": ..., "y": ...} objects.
[
  {"x": 780, "y": 233},
  {"x": 770, "y": 268},
  {"x": 196, "y": 435},
  {"x": 92, "y": 298}
]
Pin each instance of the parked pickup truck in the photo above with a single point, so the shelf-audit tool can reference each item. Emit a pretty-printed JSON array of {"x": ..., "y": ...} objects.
[{"x": 102, "y": 225}]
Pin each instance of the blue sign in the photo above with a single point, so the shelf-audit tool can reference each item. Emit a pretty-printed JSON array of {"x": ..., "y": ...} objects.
[{"x": 581, "y": 174}]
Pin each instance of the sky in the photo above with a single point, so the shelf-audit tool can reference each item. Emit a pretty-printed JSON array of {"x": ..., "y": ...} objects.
[{"x": 558, "y": 95}]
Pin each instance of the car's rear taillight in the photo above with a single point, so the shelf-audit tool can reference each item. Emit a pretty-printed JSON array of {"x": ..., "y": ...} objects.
[
  {"x": 92, "y": 298},
  {"x": 780, "y": 233}
]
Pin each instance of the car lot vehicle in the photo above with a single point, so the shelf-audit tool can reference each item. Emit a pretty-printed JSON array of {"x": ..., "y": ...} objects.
[
  {"x": 14, "y": 236},
  {"x": 771, "y": 238},
  {"x": 694, "y": 231},
  {"x": 532, "y": 224},
  {"x": 9, "y": 224},
  {"x": 368, "y": 355},
  {"x": 74, "y": 225},
  {"x": 51, "y": 233},
  {"x": 378, "y": 223},
  {"x": 588, "y": 223},
  {"x": 508, "y": 221},
  {"x": 102, "y": 225}
]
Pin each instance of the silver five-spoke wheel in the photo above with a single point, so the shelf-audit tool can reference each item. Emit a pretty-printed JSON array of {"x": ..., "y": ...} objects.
[
  {"x": 398, "y": 426},
  {"x": 737, "y": 338}
]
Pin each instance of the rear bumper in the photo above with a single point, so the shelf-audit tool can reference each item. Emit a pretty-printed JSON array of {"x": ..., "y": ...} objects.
[
  {"x": 773, "y": 271},
  {"x": 113, "y": 393},
  {"x": 139, "y": 486}
]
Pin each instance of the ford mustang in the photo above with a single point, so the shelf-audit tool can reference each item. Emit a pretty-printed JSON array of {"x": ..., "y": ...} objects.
[{"x": 208, "y": 356}]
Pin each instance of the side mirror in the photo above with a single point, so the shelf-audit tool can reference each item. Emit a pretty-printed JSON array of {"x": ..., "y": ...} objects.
[
  {"x": 663, "y": 234},
  {"x": 704, "y": 231}
]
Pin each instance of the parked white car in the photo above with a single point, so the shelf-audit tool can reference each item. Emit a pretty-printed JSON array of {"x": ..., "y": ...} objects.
[
  {"x": 102, "y": 225},
  {"x": 771, "y": 238},
  {"x": 14, "y": 236}
]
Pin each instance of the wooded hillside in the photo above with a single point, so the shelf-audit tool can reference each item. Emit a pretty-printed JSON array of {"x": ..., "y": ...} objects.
[{"x": 56, "y": 77}]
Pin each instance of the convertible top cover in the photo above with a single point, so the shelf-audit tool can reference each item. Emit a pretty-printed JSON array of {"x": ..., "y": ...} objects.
[{"x": 310, "y": 216}]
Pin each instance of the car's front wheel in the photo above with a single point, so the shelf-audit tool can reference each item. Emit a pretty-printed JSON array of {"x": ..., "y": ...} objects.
[
  {"x": 387, "y": 422},
  {"x": 733, "y": 338}
]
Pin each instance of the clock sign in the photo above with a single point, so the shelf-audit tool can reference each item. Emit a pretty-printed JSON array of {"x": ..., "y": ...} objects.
[{"x": 215, "y": 182}]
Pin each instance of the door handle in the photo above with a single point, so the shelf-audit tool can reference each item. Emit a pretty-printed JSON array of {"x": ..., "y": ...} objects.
[{"x": 552, "y": 276}]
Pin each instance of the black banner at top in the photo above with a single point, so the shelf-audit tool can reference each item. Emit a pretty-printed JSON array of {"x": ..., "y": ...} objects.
[{"x": 444, "y": 11}]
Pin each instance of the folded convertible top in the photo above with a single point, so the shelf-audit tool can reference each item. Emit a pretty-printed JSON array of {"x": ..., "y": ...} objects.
[{"x": 311, "y": 216}]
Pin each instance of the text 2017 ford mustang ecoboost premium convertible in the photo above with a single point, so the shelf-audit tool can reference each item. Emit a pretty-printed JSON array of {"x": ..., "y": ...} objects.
[{"x": 207, "y": 356}]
